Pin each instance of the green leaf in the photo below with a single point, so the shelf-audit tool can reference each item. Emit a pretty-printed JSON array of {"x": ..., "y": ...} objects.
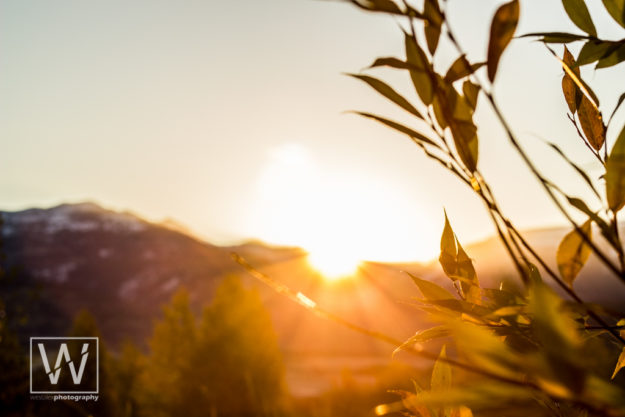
[
  {"x": 388, "y": 92},
  {"x": 616, "y": 8},
  {"x": 573, "y": 252},
  {"x": 420, "y": 75},
  {"x": 578, "y": 13},
  {"x": 593, "y": 50},
  {"x": 400, "y": 128},
  {"x": 501, "y": 32},
  {"x": 592, "y": 123},
  {"x": 461, "y": 68},
  {"x": 615, "y": 174},
  {"x": 431, "y": 291},
  {"x": 441, "y": 374},
  {"x": 433, "y": 23},
  {"x": 614, "y": 57},
  {"x": 556, "y": 37}
]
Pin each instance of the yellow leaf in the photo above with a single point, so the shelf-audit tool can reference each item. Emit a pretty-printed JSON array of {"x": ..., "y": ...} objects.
[
  {"x": 592, "y": 123},
  {"x": 619, "y": 364},
  {"x": 441, "y": 374},
  {"x": 573, "y": 253}
]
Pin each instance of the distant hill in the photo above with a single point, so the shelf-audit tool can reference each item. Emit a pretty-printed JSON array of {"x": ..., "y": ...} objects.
[{"x": 123, "y": 269}]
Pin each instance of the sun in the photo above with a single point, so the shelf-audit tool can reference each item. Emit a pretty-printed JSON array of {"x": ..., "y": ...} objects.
[
  {"x": 333, "y": 265},
  {"x": 341, "y": 216}
]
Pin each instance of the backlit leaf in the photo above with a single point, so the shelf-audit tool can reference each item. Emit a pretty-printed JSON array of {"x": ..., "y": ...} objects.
[
  {"x": 433, "y": 23},
  {"x": 620, "y": 363},
  {"x": 441, "y": 374},
  {"x": 423, "y": 336},
  {"x": 616, "y": 8},
  {"x": 615, "y": 174},
  {"x": 578, "y": 13},
  {"x": 388, "y": 92},
  {"x": 465, "y": 139},
  {"x": 592, "y": 123},
  {"x": 572, "y": 93},
  {"x": 573, "y": 253},
  {"x": 461, "y": 68},
  {"x": 430, "y": 290},
  {"x": 471, "y": 92},
  {"x": 420, "y": 75},
  {"x": 501, "y": 32}
]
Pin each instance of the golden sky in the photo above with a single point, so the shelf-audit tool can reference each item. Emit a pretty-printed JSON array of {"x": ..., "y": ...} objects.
[{"x": 229, "y": 117}]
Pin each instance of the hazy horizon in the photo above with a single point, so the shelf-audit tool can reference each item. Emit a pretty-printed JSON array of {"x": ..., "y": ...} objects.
[{"x": 229, "y": 118}]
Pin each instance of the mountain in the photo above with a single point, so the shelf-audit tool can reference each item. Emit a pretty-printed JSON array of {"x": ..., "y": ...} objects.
[{"x": 123, "y": 269}]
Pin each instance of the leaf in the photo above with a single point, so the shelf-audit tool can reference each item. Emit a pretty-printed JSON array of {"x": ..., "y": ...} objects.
[
  {"x": 420, "y": 75},
  {"x": 433, "y": 23},
  {"x": 593, "y": 50},
  {"x": 457, "y": 265},
  {"x": 501, "y": 32},
  {"x": 620, "y": 363},
  {"x": 578, "y": 13},
  {"x": 461, "y": 68},
  {"x": 612, "y": 58},
  {"x": 449, "y": 250},
  {"x": 615, "y": 174},
  {"x": 573, "y": 72},
  {"x": 388, "y": 92},
  {"x": 618, "y": 104},
  {"x": 465, "y": 139},
  {"x": 556, "y": 37},
  {"x": 441, "y": 374},
  {"x": 430, "y": 290},
  {"x": 573, "y": 252},
  {"x": 572, "y": 94},
  {"x": 471, "y": 92},
  {"x": 400, "y": 128},
  {"x": 390, "y": 62},
  {"x": 592, "y": 123},
  {"x": 423, "y": 336},
  {"x": 573, "y": 165},
  {"x": 616, "y": 8},
  {"x": 385, "y": 6}
]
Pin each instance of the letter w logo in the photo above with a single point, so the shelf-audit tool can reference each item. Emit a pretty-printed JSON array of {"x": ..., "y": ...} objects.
[{"x": 64, "y": 355}]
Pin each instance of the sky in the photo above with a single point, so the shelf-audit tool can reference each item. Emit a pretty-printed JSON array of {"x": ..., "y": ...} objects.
[{"x": 231, "y": 117}]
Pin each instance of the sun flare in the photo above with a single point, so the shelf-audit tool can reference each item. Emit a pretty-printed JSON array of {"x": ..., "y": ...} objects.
[
  {"x": 340, "y": 216},
  {"x": 333, "y": 266}
]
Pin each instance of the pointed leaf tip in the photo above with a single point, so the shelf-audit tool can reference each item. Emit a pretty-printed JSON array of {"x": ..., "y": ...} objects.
[{"x": 501, "y": 33}]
